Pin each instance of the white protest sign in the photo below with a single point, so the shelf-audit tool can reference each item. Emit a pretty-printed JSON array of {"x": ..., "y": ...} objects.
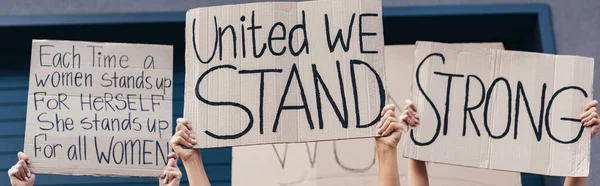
[
  {"x": 284, "y": 72},
  {"x": 99, "y": 108},
  {"x": 353, "y": 162},
  {"x": 504, "y": 110}
]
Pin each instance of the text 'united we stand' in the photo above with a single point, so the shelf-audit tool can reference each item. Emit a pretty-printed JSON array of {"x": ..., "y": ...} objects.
[{"x": 300, "y": 71}]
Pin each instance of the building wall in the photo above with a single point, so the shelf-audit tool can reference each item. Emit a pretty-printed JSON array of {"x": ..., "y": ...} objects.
[{"x": 576, "y": 24}]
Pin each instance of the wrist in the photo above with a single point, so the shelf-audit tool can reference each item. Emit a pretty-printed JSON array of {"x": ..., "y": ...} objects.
[
  {"x": 384, "y": 149},
  {"x": 194, "y": 158}
]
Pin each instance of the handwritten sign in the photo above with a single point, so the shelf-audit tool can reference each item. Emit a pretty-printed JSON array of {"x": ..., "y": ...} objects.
[
  {"x": 284, "y": 72},
  {"x": 99, "y": 108},
  {"x": 505, "y": 110},
  {"x": 352, "y": 162}
]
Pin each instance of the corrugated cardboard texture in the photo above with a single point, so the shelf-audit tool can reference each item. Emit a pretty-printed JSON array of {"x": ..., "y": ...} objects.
[
  {"x": 299, "y": 96},
  {"x": 99, "y": 108},
  {"x": 352, "y": 162},
  {"x": 483, "y": 131}
]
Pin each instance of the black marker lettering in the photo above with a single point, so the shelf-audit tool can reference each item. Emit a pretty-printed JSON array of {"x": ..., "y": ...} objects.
[
  {"x": 271, "y": 38},
  {"x": 537, "y": 130},
  {"x": 212, "y": 103},
  {"x": 467, "y": 109},
  {"x": 361, "y": 33},
  {"x": 548, "y": 130},
  {"x": 339, "y": 36},
  {"x": 448, "y": 87},
  {"x": 293, "y": 72},
  {"x": 354, "y": 88},
  {"x": 437, "y": 114},
  {"x": 304, "y": 41},
  {"x": 487, "y": 104},
  {"x": 261, "y": 91},
  {"x": 194, "y": 41},
  {"x": 319, "y": 80}
]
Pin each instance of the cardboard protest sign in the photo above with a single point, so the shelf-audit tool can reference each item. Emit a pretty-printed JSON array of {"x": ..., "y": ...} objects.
[
  {"x": 352, "y": 162},
  {"x": 284, "y": 72},
  {"x": 99, "y": 108},
  {"x": 504, "y": 110}
]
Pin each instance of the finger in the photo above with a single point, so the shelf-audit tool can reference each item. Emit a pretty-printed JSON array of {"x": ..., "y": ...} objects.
[
  {"x": 410, "y": 104},
  {"x": 186, "y": 142},
  {"x": 404, "y": 119},
  {"x": 185, "y": 130},
  {"x": 392, "y": 127},
  {"x": 185, "y": 122},
  {"x": 22, "y": 174},
  {"x": 180, "y": 126},
  {"x": 413, "y": 116},
  {"x": 25, "y": 167},
  {"x": 590, "y": 122},
  {"x": 384, "y": 117},
  {"x": 388, "y": 107},
  {"x": 411, "y": 120},
  {"x": 172, "y": 155},
  {"x": 187, "y": 136},
  {"x": 588, "y": 113},
  {"x": 383, "y": 127},
  {"x": 163, "y": 177},
  {"x": 587, "y": 122},
  {"x": 412, "y": 110},
  {"x": 386, "y": 126},
  {"x": 23, "y": 156},
  {"x": 14, "y": 172},
  {"x": 178, "y": 141},
  {"x": 172, "y": 162},
  {"x": 174, "y": 174},
  {"x": 590, "y": 105}
]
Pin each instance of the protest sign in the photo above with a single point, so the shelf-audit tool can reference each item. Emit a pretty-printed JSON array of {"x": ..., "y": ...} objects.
[
  {"x": 504, "y": 110},
  {"x": 99, "y": 108},
  {"x": 284, "y": 72},
  {"x": 353, "y": 162}
]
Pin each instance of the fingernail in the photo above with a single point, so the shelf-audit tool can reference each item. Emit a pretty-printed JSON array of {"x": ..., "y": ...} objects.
[
  {"x": 193, "y": 141},
  {"x": 193, "y": 135},
  {"x": 29, "y": 174}
]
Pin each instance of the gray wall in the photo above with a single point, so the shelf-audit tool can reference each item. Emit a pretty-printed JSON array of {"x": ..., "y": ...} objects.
[{"x": 576, "y": 24}]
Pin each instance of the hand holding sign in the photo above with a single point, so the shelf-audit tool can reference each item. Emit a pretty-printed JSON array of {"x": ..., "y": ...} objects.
[
  {"x": 284, "y": 72},
  {"x": 172, "y": 175},
  {"x": 389, "y": 128},
  {"x": 590, "y": 117},
  {"x": 20, "y": 174},
  {"x": 480, "y": 104},
  {"x": 183, "y": 140},
  {"x": 99, "y": 108}
]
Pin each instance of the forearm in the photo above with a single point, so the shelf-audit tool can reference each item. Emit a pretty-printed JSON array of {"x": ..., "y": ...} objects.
[
  {"x": 388, "y": 166},
  {"x": 417, "y": 173},
  {"x": 575, "y": 181},
  {"x": 195, "y": 171}
]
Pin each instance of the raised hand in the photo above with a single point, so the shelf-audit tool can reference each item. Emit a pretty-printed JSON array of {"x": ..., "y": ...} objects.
[
  {"x": 183, "y": 140},
  {"x": 590, "y": 117},
  {"x": 20, "y": 174},
  {"x": 172, "y": 175}
]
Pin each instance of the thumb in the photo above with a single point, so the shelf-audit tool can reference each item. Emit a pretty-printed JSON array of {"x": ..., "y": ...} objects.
[
  {"x": 23, "y": 156},
  {"x": 172, "y": 160}
]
